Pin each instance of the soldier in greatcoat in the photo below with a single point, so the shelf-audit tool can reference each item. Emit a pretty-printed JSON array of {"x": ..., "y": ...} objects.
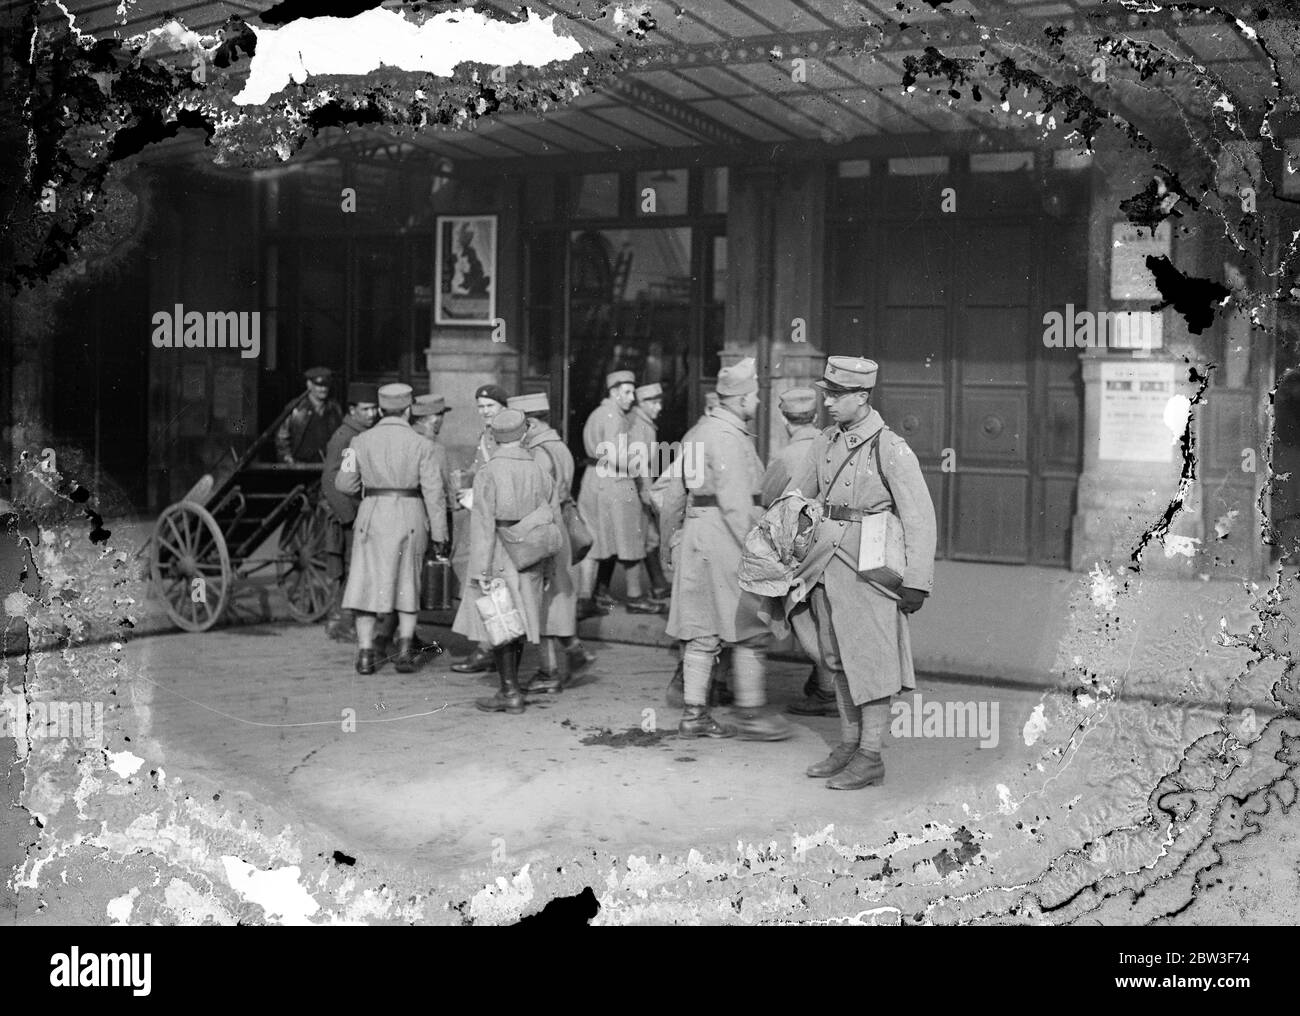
[
  {"x": 715, "y": 508},
  {"x": 427, "y": 415},
  {"x": 403, "y": 506},
  {"x": 643, "y": 443},
  {"x": 506, "y": 489},
  {"x": 609, "y": 500},
  {"x": 799, "y": 408},
  {"x": 363, "y": 410},
  {"x": 489, "y": 399},
  {"x": 856, "y": 628},
  {"x": 561, "y": 650}
]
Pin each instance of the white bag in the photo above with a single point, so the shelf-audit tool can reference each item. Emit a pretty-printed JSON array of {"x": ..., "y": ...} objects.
[
  {"x": 497, "y": 610},
  {"x": 882, "y": 556}
]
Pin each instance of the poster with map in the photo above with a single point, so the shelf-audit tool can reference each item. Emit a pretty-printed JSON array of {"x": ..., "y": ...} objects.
[{"x": 466, "y": 270}]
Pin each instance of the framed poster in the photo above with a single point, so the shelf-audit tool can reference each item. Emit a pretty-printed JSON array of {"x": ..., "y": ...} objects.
[{"x": 466, "y": 270}]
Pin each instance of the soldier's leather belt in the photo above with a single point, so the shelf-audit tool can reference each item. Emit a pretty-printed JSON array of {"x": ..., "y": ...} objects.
[
  {"x": 843, "y": 513},
  {"x": 711, "y": 501},
  {"x": 393, "y": 492}
]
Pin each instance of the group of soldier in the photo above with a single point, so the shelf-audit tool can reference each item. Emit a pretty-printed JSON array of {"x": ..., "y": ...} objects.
[{"x": 389, "y": 485}]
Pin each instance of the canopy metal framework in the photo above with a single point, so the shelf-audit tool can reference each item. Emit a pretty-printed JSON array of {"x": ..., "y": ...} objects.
[{"x": 719, "y": 75}]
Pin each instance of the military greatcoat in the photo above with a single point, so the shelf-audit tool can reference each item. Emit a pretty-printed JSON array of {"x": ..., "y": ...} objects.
[
  {"x": 505, "y": 490},
  {"x": 864, "y": 629},
  {"x": 643, "y": 435},
  {"x": 788, "y": 461},
  {"x": 391, "y": 534},
  {"x": 609, "y": 501},
  {"x": 707, "y": 598},
  {"x": 560, "y": 597}
]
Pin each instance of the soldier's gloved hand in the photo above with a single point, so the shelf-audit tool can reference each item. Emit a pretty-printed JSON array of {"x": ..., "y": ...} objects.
[{"x": 911, "y": 599}]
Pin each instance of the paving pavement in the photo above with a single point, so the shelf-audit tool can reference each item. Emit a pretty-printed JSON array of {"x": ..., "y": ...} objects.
[{"x": 423, "y": 780}]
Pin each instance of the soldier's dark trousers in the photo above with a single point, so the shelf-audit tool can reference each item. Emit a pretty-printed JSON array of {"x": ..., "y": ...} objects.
[{"x": 656, "y": 570}]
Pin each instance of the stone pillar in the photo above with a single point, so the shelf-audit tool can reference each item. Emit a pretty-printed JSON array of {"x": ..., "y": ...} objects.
[
  {"x": 1120, "y": 500},
  {"x": 459, "y": 360}
]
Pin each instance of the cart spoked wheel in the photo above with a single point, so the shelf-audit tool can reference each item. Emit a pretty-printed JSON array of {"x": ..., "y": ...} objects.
[
  {"x": 190, "y": 566},
  {"x": 303, "y": 570}
]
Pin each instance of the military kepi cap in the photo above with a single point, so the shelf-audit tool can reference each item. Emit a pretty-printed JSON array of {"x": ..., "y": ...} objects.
[
  {"x": 533, "y": 402},
  {"x": 428, "y": 405},
  {"x": 321, "y": 375},
  {"x": 394, "y": 396},
  {"x": 619, "y": 377},
  {"x": 508, "y": 425},
  {"x": 738, "y": 379},
  {"x": 363, "y": 393},
  {"x": 848, "y": 374},
  {"x": 797, "y": 401},
  {"x": 645, "y": 393}
]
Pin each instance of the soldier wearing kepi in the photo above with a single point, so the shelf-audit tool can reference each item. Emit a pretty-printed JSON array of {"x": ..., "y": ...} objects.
[
  {"x": 489, "y": 399},
  {"x": 427, "y": 415},
  {"x": 799, "y": 407},
  {"x": 560, "y": 645},
  {"x": 306, "y": 431},
  {"x": 402, "y": 507},
  {"x": 643, "y": 436},
  {"x": 709, "y": 609},
  {"x": 363, "y": 410},
  {"x": 506, "y": 490},
  {"x": 856, "y": 628},
  {"x": 610, "y": 502}
]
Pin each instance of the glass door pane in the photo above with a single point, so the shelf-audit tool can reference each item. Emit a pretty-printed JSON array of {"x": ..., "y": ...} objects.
[{"x": 631, "y": 295}]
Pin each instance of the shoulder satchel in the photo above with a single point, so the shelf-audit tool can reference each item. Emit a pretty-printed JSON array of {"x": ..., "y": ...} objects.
[
  {"x": 882, "y": 553},
  {"x": 532, "y": 539},
  {"x": 580, "y": 538}
]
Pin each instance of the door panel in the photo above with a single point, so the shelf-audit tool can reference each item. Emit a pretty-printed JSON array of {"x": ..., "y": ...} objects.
[
  {"x": 952, "y": 312},
  {"x": 989, "y": 523},
  {"x": 917, "y": 414}
]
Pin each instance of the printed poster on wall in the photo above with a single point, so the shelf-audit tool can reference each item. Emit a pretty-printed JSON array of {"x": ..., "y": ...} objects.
[
  {"x": 466, "y": 270},
  {"x": 1130, "y": 245},
  {"x": 1133, "y": 400}
]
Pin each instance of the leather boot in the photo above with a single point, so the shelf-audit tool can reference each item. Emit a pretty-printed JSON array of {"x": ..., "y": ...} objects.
[
  {"x": 815, "y": 704},
  {"x": 404, "y": 661},
  {"x": 578, "y": 656},
  {"x": 385, "y": 626},
  {"x": 588, "y": 608},
  {"x": 810, "y": 685},
  {"x": 601, "y": 598},
  {"x": 509, "y": 698},
  {"x": 760, "y": 725},
  {"x": 477, "y": 662},
  {"x": 863, "y": 770},
  {"x": 696, "y": 722},
  {"x": 365, "y": 662},
  {"x": 553, "y": 683},
  {"x": 839, "y": 757},
  {"x": 660, "y": 588},
  {"x": 645, "y": 605},
  {"x": 341, "y": 625}
]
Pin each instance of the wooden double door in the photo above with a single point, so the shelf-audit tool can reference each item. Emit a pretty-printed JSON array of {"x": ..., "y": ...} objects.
[{"x": 953, "y": 313}]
